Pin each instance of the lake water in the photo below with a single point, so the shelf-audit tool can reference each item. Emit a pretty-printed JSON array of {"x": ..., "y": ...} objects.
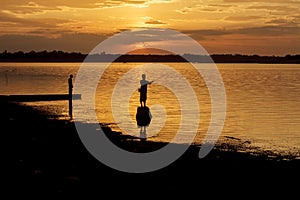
[{"x": 262, "y": 100}]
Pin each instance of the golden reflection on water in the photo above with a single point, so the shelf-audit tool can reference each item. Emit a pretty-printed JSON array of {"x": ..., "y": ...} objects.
[
  {"x": 263, "y": 100},
  {"x": 157, "y": 94}
]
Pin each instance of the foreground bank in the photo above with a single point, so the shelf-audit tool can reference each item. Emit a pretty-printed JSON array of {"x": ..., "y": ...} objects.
[{"x": 45, "y": 155}]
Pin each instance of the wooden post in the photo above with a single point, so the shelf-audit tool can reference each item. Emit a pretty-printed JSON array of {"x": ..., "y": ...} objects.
[
  {"x": 70, "y": 82},
  {"x": 70, "y": 106}
]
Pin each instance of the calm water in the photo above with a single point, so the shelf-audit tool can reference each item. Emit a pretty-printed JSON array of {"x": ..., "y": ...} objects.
[{"x": 263, "y": 100}]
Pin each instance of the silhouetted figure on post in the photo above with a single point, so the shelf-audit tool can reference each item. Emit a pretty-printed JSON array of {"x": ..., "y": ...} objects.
[
  {"x": 143, "y": 90},
  {"x": 70, "y": 82},
  {"x": 143, "y": 114}
]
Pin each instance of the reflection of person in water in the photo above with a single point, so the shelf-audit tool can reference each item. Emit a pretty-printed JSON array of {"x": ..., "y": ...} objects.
[
  {"x": 143, "y": 89},
  {"x": 143, "y": 133},
  {"x": 143, "y": 116}
]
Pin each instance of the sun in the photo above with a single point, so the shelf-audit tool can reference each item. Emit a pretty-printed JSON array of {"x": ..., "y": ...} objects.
[{"x": 140, "y": 45}]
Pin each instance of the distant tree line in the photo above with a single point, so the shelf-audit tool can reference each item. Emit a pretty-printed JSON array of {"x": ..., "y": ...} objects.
[
  {"x": 60, "y": 56},
  {"x": 41, "y": 56}
]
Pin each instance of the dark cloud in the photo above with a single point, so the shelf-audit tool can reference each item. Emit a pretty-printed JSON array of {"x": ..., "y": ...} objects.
[
  {"x": 202, "y": 34},
  {"x": 264, "y": 40},
  {"x": 24, "y": 6},
  {"x": 275, "y": 8},
  {"x": 27, "y": 7},
  {"x": 222, "y": 5},
  {"x": 111, "y": 4},
  {"x": 270, "y": 30},
  {"x": 22, "y": 22},
  {"x": 261, "y": 1},
  {"x": 67, "y": 42},
  {"x": 48, "y": 32},
  {"x": 184, "y": 10},
  {"x": 260, "y": 40},
  {"x": 242, "y": 18},
  {"x": 155, "y": 22},
  {"x": 254, "y": 31},
  {"x": 283, "y": 22}
]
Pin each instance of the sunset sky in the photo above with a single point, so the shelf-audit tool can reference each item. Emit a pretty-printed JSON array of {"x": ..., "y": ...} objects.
[{"x": 264, "y": 27}]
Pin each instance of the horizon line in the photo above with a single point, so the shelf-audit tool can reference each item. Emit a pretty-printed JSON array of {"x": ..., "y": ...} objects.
[{"x": 149, "y": 54}]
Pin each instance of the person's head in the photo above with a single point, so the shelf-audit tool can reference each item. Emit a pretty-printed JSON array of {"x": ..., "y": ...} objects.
[
  {"x": 144, "y": 76},
  {"x": 71, "y": 76}
]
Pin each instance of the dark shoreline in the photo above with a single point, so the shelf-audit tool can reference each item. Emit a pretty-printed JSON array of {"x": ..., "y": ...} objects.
[
  {"x": 59, "y": 56},
  {"x": 45, "y": 155}
]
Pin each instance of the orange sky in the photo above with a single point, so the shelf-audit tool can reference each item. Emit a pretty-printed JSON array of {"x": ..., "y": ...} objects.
[{"x": 264, "y": 27}]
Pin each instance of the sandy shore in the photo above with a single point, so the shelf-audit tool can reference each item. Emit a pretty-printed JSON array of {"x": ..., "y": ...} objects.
[{"x": 46, "y": 156}]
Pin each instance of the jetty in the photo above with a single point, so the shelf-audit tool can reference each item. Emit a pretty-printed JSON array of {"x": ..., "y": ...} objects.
[
  {"x": 39, "y": 97},
  {"x": 43, "y": 97}
]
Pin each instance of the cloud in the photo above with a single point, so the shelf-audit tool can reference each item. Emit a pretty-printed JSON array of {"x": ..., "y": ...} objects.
[
  {"x": 155, "y": 22},
  {"x": 247, "y": 44},
  {"x": 271, "y": 20},
  {"x": 31, "y": 22},
  {"x": 242, "y": 18},
  {"x": 25, "y": 6},
  {"x": 259, "y": 40},
  {"x": 283, "y": 22},
  {"x": 67, "y": 42},
  {"x": 268, "y": 31},
  {"x": 204, "y": 7},
  {"x": 275, "y": 8},
  {"x": 262, "y": 1},
  {"x": 184, "y": 10},
  {"x": 222, "y": 5},
  {"x": 113, "y": 4},
  {"x": 202, "y": 33},
  {"x": 30, "y": 26}
]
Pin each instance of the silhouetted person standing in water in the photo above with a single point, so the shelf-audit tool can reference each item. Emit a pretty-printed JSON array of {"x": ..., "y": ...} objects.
[
  {"x": 70, "y": 82},
  {"x": 143, "y": 89}
]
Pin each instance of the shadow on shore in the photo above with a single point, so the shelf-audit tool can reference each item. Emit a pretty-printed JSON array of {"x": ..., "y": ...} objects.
[{"x": 46, "y": 156}]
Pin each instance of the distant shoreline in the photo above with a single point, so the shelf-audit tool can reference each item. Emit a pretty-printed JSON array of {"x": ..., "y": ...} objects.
[{"x": 59, "y": 56}]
